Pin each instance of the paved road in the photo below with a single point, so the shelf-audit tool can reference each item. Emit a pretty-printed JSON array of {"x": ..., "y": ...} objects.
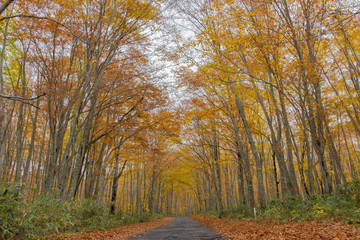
[{"x": 182, "y": 228}]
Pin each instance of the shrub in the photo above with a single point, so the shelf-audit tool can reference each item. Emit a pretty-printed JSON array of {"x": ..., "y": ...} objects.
[
  {"x": 88, "y": 214},
  {"x": 343, "y": 204},
  {"x": 9, "y": 210},
  {"x": 350, "y": 193},
  {"x": 47, "y": 215},
  {"x": 239, "y": 212}
]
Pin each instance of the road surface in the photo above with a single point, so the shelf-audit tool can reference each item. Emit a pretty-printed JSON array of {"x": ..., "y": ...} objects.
[{"x": 181, "y": 228}]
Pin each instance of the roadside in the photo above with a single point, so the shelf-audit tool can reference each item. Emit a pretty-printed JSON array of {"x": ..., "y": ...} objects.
[
  {"x": 247, "y": 229},
  {"x": 120, "y": 233}
]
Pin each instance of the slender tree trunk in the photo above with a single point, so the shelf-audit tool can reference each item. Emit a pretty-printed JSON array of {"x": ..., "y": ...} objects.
[
  {"x": 289, "y": 145},
  {"x": 115, "y": 181},
  {"x": 138, "y": 191},
  {"x": 32, "y": 143},
  {"x": 19, "y": 129},
  {"x": 275, "y": 176},
  {"x": 242, "y": 159},
  {"x": 2, "y": 102},
  {"x": 67, "y": 158},
  {"x": 261, "y": 188}
]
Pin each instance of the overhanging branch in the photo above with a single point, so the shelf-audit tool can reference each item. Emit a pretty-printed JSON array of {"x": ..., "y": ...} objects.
[
  {"x": 43, "y": 18},
  {"x": 22, "y": 99}
]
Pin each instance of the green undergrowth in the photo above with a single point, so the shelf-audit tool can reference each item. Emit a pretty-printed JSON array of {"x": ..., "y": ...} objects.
[
  {"x": 239, "y": 212},
  {"x": 47, "y": 216},
  {"x": 343, "y": 205}
]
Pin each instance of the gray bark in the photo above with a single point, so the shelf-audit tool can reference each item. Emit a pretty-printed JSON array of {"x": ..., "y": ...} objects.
[
  {"x": 5, "y": 5},
  {"x": 32, "y": 143},
  {"x": 261, "y": 188}
]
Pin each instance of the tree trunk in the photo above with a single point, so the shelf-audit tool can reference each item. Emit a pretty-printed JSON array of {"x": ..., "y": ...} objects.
[
  {"x": 242, "y": 158},
  {"x": 261, "y": 188},
  {"x": 32, "y": 143},
  {"x": 2, "y": 103},
  {"x": 116, "y": 177}
]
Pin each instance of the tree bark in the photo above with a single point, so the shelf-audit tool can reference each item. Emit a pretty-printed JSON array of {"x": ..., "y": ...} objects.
[
  {"x": 5, "y": 5},
  {"x": 116, "y": 177},
  {"x": 261, "y": 188}
]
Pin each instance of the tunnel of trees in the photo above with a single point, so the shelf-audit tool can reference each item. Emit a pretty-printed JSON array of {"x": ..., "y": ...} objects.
[{"x": 179, "y": 106}]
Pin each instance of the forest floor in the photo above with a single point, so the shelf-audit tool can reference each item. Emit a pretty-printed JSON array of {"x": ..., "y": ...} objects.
[
  {"x": 247, "y": 229},
  {"x": 120, "y": 233},
  {"x": 215, "y": 228}
]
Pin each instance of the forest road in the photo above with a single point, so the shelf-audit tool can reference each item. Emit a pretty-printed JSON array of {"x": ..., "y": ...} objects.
[{"x": 181, "y": 228}]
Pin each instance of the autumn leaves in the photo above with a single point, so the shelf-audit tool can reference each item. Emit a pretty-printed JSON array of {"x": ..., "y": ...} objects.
[
  {"x": 272, "y": 107},
  {"x": 272, "y": 78},
  {"x": 91, "y": 60}
]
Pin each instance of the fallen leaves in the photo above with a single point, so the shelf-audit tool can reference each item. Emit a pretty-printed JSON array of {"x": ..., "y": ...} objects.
[
  {"x": 236, "y": 229},
  {"x": 121, "y": 233}
]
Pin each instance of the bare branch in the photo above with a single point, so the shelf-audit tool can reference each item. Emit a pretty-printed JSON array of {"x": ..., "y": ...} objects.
[
  {"x": 18, "y": 98},
  {"x": 23, "y": 99}
]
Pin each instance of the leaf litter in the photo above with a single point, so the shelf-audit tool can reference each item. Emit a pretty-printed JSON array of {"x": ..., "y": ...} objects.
[
  {"x": 120, "y": 233},
  {"x": 314, "y": 230},
  {"x": 236, "y": 229}
]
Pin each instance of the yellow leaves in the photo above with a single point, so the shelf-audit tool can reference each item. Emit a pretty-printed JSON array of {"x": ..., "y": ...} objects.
[{"x": 140, "y": 9}]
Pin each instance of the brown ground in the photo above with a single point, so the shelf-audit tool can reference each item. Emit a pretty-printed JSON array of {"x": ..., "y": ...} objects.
[
  {"x": 236, "y": 229},
  {"x": 123, "y": 232}
]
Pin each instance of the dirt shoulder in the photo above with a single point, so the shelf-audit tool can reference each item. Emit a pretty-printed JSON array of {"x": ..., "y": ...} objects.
[
  {"x": 120, "y": 233},
  {"x": 318, "y": 230}
]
